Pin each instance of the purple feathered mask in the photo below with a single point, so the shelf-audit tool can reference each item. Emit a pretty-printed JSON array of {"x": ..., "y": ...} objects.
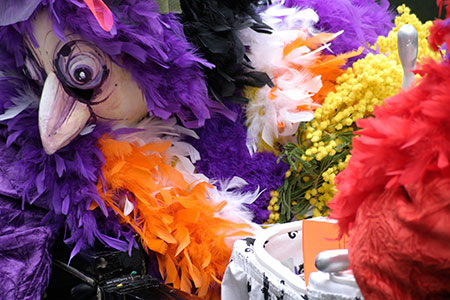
[{"x": 151, "y": 48}]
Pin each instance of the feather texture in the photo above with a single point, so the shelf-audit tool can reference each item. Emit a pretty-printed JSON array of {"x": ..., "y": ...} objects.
[
  {"x": 14, "y": 11},
  {"x": 440, "y": 34},
  {"x": 151, "y": 46},
  {"x": 154, "y": 49},
  {"x": 303, "y": 75},
  {"x": 26, "y": 99},
  {"x": 361, "y": 20},
  {"x": 396, "y": 210},
  {"x": 212, "y": 26},
  {"x": 230, "y": 157},
  {"x": 65, "y": 183},
  {"x": 237, "y": 203},
  {"x": 442, "y": 4},
  {"x": 180, "y": 216}
]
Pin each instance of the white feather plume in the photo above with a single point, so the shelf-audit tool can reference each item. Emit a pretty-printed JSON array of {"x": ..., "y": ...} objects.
[
  {"x": 275, "y": 114},
  {"x": 235, "y": 210},
  {"x": 280, "y": 17},
  {"x": 181, "y": 154},
  {"x": 27, "y": 98}
]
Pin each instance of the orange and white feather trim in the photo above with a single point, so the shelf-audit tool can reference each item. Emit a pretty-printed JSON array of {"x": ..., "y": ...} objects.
[
  {"x": 302, "y": 73},
  {"x": 149, "y": 182}
]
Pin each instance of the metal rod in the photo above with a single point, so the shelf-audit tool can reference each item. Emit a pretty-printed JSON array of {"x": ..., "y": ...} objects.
[{"x": 75, "y": 272}]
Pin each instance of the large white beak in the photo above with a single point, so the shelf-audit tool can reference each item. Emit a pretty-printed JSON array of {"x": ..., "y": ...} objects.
[{"x": 61, "y": 117}]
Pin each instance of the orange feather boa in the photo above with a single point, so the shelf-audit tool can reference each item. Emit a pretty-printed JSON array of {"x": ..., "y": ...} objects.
[{"x": 174, "y": 218}]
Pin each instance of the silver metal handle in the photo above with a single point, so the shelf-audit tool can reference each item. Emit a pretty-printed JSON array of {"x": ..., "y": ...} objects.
[
  {"x": 332, "y": 261},
  {"x": 408, "y": 47},
  {"x": 336, "y": 263}
]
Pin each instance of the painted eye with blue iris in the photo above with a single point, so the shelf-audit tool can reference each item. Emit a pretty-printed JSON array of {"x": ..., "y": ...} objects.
[{"x": 80, "y": 86}]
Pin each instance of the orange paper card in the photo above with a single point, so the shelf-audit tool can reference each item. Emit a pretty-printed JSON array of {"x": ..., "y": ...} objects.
[{"x": 319, "y": 234}]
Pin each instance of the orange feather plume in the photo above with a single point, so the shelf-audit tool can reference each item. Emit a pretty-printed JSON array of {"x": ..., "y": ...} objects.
[
  {"x": 313, "y": 42},
  {"x": 329, "y": 67},
  {"x": 174, "y": 218}
]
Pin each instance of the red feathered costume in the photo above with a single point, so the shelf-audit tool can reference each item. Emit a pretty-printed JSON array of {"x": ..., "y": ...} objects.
[{"x": 394, "y": 197}]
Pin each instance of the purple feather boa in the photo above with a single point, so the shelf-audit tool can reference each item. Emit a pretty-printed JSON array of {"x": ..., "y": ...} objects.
[
  {"x": 63, "y": 183},
  {"x": 222, "y": 146},
  {"x": 362, "y": 21},
  {"x": 151, "y": 46}
]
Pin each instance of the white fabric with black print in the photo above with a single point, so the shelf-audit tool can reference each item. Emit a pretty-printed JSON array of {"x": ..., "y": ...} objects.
[{"x": 246, "y": 279}]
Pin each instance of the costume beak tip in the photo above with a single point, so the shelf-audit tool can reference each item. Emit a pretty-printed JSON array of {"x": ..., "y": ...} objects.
[{"x": 61, "y": 116}]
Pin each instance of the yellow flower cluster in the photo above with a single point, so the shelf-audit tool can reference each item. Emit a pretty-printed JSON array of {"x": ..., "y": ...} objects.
[
  {"x": 326, "y": 141},
  {"x": 273, "y": 207},
  {"x": 359, "y": 89},
  {"x": 326, "y": 191}
]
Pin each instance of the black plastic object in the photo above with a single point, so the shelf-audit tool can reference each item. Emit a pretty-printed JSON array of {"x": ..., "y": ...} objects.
[
  {"x": 106, "y": 274},
  {"x": 143, "y": 289},
  {"x": 101, "y": 264}
]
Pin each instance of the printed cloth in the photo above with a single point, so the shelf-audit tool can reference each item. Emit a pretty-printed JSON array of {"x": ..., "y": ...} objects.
[{"x": 246, "y": 279}]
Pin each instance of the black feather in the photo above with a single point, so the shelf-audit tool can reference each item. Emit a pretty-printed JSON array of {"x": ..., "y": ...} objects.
[{"x": 212, "y": 26}]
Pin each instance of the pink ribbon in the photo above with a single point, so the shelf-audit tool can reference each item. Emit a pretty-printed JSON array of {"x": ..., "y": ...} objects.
[{"x": 102, "y": 13}]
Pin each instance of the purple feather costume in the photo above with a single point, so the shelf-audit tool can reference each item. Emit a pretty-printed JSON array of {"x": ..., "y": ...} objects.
[
  {"x": 153, "y": 49},
  {"x": 230, "y": 157},
  {"x": 362, "y": 21}
]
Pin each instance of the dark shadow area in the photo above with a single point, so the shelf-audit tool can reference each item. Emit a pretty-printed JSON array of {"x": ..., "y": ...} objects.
[{"x": 424, "y": 9}]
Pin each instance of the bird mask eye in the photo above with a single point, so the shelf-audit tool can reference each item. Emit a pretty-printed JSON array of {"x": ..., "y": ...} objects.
[
  {"x": 82, "y": 69},
  {"x": 81, "y": 85}
]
